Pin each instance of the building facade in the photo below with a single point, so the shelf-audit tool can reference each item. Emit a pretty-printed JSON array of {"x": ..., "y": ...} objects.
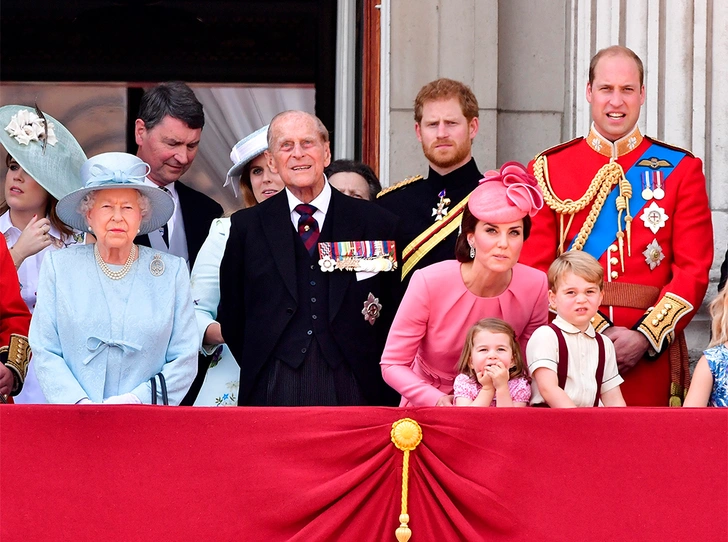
[{"x": 527, "y": 63}]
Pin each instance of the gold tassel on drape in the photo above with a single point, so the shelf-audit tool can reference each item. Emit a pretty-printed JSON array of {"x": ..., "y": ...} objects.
[{"x": 406, "y": 435}]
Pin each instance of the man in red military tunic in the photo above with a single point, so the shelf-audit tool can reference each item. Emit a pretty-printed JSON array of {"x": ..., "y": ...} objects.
[
  {"x": 640, "y": 207},
  {"x": 14, "y": 322}
]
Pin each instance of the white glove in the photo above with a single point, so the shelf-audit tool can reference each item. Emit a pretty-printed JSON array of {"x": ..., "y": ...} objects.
[{"x": 123, "y": 399}]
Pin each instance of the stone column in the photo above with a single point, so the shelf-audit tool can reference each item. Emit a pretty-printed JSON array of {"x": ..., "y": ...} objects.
[
  {"x": 677, "y": 41},
  {"x": 428, "y": 39}
]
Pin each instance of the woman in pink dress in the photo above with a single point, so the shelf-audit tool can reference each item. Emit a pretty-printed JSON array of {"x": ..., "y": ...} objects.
[{"x": 445, "y": 299}]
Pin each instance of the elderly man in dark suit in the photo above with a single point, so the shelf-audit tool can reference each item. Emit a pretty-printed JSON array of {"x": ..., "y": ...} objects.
[
  {"x": 306, "y": 302},
  {"x": 168, "y": 133}
]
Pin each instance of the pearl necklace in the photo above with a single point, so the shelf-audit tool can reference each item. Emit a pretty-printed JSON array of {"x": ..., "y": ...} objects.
[{"x": 114, "y": 275}]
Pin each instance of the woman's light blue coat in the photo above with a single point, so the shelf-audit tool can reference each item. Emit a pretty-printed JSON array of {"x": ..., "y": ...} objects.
[{"x": 96, "y": 337}]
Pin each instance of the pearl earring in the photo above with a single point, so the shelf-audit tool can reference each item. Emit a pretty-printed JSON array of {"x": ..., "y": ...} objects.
[{"x": 472, "y": 252}]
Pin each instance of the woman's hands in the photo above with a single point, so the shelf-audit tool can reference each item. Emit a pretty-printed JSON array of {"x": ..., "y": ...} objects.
[
  {"x": 32, "y": 240},
  {"x": 213, "y": 334},
  {"x": 123, "y": 399}
]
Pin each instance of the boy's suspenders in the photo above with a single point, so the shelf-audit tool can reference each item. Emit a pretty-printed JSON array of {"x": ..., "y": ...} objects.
[{"x": 563, "y": 367}]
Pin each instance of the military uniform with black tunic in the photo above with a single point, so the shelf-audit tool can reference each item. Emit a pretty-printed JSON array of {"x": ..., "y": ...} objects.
[{"x": 430, "y": 211}]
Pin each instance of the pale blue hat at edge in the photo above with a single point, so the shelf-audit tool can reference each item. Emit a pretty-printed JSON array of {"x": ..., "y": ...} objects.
[
  {"x": 113, "y": 170},
  {"x": 57, "y": 168}
]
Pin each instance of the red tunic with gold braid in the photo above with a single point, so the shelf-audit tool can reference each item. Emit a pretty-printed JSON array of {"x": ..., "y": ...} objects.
[
  {"x": 657, "y": 280},
  {"x": 14, "y": 315}
]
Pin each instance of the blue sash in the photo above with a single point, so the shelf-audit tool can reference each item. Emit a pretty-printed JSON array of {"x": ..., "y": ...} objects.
[{"x": 603, "y": 233}]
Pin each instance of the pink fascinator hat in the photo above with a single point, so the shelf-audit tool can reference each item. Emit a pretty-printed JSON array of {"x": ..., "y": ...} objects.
[{"x": 506, "y": 195}]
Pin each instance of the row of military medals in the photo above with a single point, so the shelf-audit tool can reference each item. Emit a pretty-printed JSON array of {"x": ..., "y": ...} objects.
[{"x": 653, "y": 215}]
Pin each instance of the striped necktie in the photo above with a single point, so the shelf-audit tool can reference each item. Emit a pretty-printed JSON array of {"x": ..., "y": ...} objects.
[{"x": 308, "y": 228}]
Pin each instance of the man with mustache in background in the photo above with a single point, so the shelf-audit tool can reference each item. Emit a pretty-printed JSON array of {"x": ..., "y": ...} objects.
[{"x": 446, "y": 121}]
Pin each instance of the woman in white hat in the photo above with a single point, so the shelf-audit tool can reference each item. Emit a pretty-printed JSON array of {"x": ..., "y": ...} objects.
[
  {"x": 218, "y": 374},
  {"x": 43, "y": 165},
  {"x": 114, "y": 321}
]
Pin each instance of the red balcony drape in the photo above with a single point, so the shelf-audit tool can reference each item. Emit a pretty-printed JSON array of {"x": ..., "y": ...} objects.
[{"x": 308, "y": 474}]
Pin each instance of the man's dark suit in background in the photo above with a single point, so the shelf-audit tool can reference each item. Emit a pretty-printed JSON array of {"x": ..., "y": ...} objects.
[{"x": 198, "y": 212}]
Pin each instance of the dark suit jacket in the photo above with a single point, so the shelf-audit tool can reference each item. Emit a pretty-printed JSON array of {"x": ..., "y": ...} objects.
[
  {"x": 198, "y": 212},
  {"x": 258, "y": 289},
  {"x": 723, "y": 273}
]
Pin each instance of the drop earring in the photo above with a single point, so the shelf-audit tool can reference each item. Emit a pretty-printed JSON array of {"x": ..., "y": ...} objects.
[{"x": 472, "y": 252}]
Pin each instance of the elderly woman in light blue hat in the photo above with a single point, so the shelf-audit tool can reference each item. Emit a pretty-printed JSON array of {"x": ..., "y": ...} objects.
[
  {"x": 218, "y": 373},
  {"x": 43, "y": 164},
  {"x": 114, "y": 321}
]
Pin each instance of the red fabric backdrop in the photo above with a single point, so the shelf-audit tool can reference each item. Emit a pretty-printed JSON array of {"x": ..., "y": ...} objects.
[{"x": 308, "y": 474}]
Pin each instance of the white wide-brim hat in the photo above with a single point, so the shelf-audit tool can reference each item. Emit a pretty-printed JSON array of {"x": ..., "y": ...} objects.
[
  {"x": 243, "y": 152},
  {"x": 112, "y": 170},
  {"x": 57, "y": 167}
]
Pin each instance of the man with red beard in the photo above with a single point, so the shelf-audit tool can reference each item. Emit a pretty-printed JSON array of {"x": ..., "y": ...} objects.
[
  {"x": 640, "y": 207},
  {"x": 446, "y": 121}
]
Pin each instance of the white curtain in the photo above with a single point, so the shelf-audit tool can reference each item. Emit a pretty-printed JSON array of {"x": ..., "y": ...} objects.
[{"x": 231, "y": 113}]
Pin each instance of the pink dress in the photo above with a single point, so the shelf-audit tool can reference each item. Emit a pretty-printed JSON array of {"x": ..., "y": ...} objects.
[
  {"x": 428, "y": 332},
  {"x": 466, "y": 386}
]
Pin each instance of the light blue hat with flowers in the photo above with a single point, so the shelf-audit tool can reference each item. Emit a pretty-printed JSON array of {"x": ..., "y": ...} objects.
[
  {"x": 109, "y": 171},
  {"x": 244, "y": 151},
  {"x": 43, "y": 147}
]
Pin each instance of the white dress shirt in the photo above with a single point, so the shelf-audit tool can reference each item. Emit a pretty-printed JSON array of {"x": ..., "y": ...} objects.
[
  {"x": 28, "y": 277},
  {"x": 175, "y": 227},
  {"x": 321, "y": 202}
]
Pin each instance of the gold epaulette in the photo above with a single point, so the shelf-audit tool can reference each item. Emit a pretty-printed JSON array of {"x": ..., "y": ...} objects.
[
  {"x": 18, "y": 358},
  {"x": 673, "y": 147},
  {"x": 558, "y": 147},
  {"x": 600, "y": 322},
  {"x": 408, "y": 180},
  {"x": 658, "y": 324}
]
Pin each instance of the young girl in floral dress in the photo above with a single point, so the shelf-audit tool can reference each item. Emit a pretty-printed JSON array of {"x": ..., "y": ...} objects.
[
  {"x": 709, "y": 386},
  {"x": 491, "y": 368}
]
